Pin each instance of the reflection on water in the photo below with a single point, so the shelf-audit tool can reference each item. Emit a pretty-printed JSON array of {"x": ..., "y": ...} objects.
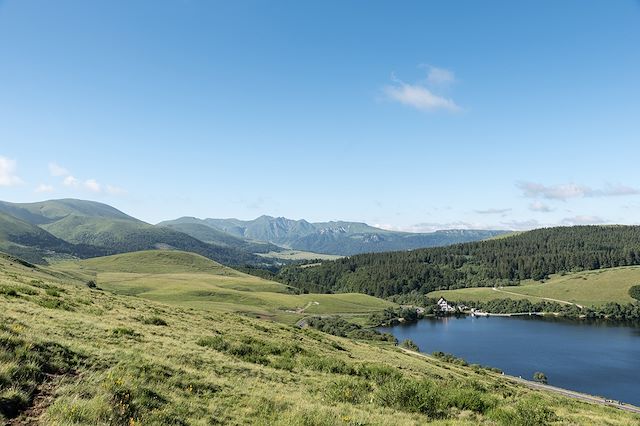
[{"x": 592, "y": 356}]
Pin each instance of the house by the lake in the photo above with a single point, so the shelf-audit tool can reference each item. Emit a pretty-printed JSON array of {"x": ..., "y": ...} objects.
[{"x": 445, "y": 306}]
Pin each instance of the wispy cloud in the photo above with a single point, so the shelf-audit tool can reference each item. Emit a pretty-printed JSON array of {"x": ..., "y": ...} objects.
[
  {"x": 520, "y": 225},
  {"x": 571, "y": 190},
  {"x": 421, "y": 95},
  {"x": 44, "y": 188},
  {"x": 57, "y": 170},
  {"x": 583, "y": 220},
  {"x": 493, "y": 211},
  {"x": 440, "y": 76},
  {"x": 434, "y": 226},
  {"x": 8, "y": 176},
  {"x": 92, "y": 185},
  {"x": 539, "y": 206}
]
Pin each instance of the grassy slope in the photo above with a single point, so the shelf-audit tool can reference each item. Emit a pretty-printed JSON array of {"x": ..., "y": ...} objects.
[
  {"x": 590, "y": 288},
  {"x": 114, "y": 363},
  {"x": 190, "y": 280}
]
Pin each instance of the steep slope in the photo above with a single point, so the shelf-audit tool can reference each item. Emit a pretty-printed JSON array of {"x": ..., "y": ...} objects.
[
  {"x": 202, "y": 232},
  {"x": 338, "y": 238},
  {"x": 530, "y": 255},
  {"x": 75, "y": 355},
  {"x": 33, "y": 243},
  {"x": 95, "y": 229}
]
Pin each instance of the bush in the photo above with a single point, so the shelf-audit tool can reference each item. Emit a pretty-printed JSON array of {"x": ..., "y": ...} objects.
[
  {"x": 634, "y": 292},
  {"x": 540, "y": 377},
  {"x": 348, "y": 389},
  {"x": 410, "y": 344},
  {"x": 154, "y": 321},
  {"x": 91, "y": 284},
  {"x": 409, "y": 395}
]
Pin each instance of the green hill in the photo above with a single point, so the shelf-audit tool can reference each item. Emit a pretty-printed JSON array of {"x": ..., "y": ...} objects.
[
  {"x": 587, "y": 288},
  {"x": 70, "y": 354},
  {"x": 93, "y": 229},
  {"x": 216, "y": 237},
  {"x": 506, "y": 261},
  {"x": 187, "y": 279}
]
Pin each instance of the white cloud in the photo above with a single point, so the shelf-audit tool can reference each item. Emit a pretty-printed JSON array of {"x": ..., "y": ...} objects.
[
  {"x": 8, "y": 175},
  {"x": 114, "y": 190},
  {"x": 520, "y": 225},
  {"x": 571, "y": 190},
  {"x": 57, "y": 171},
  {"x": 440, "y": 76},
  {"x": 44, "y": 188},
  {"x": 92, "y": 185},
  {"x": 419, "y": 97},
  {"x": 583, "y": 220},
  {"x": 539, "y": 206},
  {"x": 434, "y": 226},
  {"x": 493, "y": 211},
  {"x": 71, "y": 181}
]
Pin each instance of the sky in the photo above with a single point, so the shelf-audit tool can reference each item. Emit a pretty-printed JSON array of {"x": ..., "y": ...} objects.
[{"x": 410, "y": 115}]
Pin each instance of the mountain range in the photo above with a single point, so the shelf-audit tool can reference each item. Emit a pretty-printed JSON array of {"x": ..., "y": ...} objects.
[
  {"x": 336, "y": 237},
  {"x": 78, "y": 228}
]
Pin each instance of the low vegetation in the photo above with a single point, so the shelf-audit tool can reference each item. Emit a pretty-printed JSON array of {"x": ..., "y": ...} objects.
[{"x": 105, "y": 359}]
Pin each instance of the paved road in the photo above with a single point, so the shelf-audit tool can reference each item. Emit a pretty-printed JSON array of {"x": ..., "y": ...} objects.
[{"x": 565, "y": 392}]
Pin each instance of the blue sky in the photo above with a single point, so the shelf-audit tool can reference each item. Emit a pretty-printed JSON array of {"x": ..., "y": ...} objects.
[{"x": 412, "y": 115}]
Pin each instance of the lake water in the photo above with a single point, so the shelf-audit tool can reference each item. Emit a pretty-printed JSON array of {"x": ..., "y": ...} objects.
[{"x": 597, "y": 358}]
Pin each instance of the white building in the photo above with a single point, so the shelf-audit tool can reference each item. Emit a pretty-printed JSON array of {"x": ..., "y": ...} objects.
[{"x": 445, "y": 306}]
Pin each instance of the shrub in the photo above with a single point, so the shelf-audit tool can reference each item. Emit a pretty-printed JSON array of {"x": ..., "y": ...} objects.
[
  {"x": 348, "y": 389},
  {"x": 378, "y": 373},
  {"x": 91, "y": 284},
  {"x": 410, "y": 344},
  {"x": 540, "y": 377},
  {"x": 154, "y": 321},
  {"x": 634, "y": 292},
  {"x": 409, "y": 395}
]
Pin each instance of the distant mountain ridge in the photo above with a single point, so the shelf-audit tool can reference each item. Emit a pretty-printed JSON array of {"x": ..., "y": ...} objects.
[
  {"x": 335, "y": 237},
  {"x": 83, "y": 229}
]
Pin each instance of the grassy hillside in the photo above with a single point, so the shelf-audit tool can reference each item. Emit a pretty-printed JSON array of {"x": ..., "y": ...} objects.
[
  {"x": 189, "y": 280},
  {"x": 213, "y": 236},
  {"x": 589, "y": 288},
  {"x": 71, "y": 355},
  {"x": 94, "y": 229}
]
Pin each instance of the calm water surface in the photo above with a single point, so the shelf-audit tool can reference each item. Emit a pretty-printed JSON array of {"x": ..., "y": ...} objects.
[{"x": 598, "y": 358}]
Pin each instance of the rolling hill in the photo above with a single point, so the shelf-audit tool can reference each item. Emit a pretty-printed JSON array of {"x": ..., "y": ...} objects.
[
  {"x": 70, "y": 354},
  {"x": 336, "y": 238},
  {"x": 191, "y": 280},
  {"x": 90, "y": 228},
  {"x": 505, "y": 261}
]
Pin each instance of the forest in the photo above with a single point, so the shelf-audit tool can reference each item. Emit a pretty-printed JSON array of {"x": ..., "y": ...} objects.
[{"x": 503, "y": 261}]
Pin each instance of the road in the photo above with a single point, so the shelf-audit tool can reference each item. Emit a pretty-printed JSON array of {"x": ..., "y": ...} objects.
[
  {"x": 565, "y": 392},
  {"x": 564, "y": 302}
]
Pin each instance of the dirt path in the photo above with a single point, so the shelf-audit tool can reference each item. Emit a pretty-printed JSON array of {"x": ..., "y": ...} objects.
[
  {"x": 565, "y": 392},
  {"x": 43, "y": 398},
  {"x": 564, "y": 302}
]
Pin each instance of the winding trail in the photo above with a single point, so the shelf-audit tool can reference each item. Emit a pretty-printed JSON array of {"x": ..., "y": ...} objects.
[
  {"x": 564, "y": 302},
  {"x": 561, "y": 391}
]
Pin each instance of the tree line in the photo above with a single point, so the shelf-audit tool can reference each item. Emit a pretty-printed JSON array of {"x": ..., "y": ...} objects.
[{"x": 503, "y": 261}]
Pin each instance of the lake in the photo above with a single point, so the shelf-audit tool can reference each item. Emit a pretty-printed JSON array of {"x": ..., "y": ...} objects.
[{"x": 598, "y": 358}]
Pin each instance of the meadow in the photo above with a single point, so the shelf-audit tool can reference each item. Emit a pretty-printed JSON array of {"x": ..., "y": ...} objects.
[
  {"x": 587, "y": 288},
  {"x": 72, "y": 353},
  {"x": 190, "y": 280}
]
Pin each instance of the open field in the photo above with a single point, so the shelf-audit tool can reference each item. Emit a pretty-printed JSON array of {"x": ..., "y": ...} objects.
[
  {"x": 189, "y": 280},
  {"x": 589, "y": 288},
  {"x": 299, "y": 255},
  {"x": 72, "y": 355}
]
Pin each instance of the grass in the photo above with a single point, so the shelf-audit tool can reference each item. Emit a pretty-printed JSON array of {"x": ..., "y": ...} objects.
[
  {"x": 190, "y": 280},
  {"x": 103, "y": 359},
  {"x": 590, "y": 288}
]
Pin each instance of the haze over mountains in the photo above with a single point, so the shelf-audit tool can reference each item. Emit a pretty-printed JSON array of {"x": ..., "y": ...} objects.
[
  {"x": 337, "y": 237},
  {"x": 78, "y": 228}
]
